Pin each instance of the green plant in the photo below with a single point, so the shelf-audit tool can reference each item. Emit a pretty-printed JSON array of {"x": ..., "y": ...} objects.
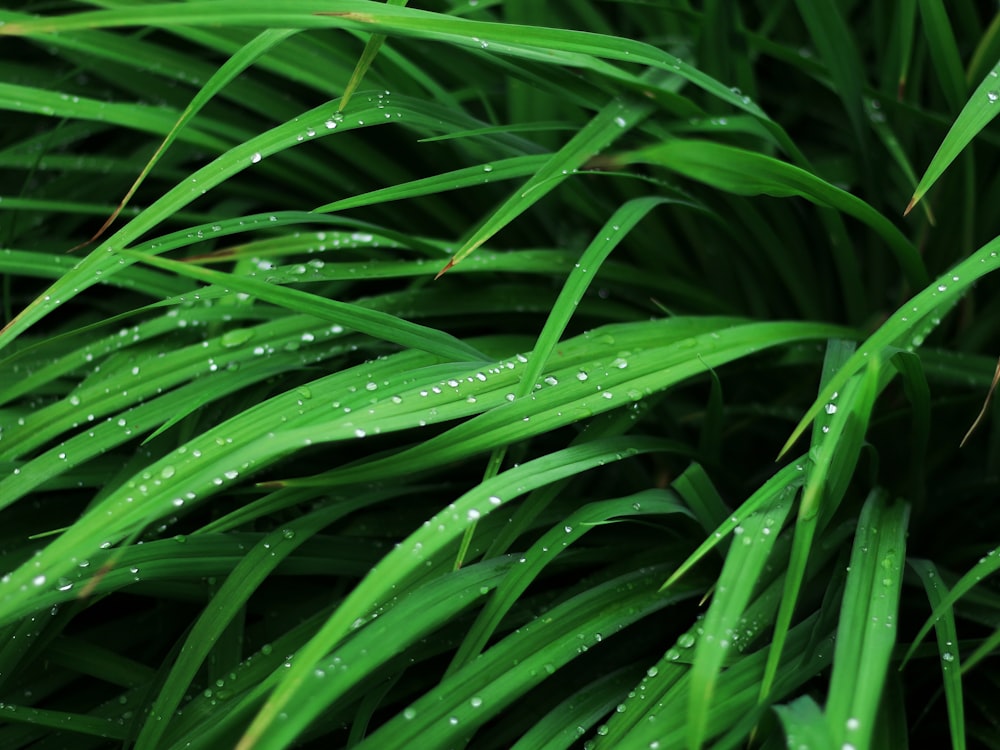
[{"x": 265, "y": 482}]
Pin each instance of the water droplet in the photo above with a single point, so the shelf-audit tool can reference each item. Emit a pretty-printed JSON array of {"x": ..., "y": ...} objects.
[{"x": 255, "y": 158}]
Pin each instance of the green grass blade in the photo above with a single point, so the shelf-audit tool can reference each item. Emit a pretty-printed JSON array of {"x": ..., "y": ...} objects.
[
  {"x": 804, "y": 723},
  {"x": 542, "y": 552},
  {"x": 614, "y": 231},
  {"x": 977, "y": 113},
  {"x": 500, "y": 169},
  {"x": 247, "y": 576},
  {"x": 987, "y": 565},
  {"x": 266, "y": 729},
  {"x": 744, "y": 172},
  {"x": 583, "y": 709},
  {"x": 372, "y": 322},
  {"x": 943, "y": 51},
  {"x": 830, "y": 33},
  {"x": 947, "y": 641},
  {"x": 908, "y": 326},
  {"x": 606, "y": 127},
  {"x": 868, "y": 622},
  {"x": 836, "y": 447},
  {"x": 582, "y": 386},
  {"x": 776, "y": 491},
  {"x": 319, "y": 122},
  {"x": 562, "y": 46},
  {"x": 526, "y": 657},
  {"x": 368, "y": 55},
  {"x": 146, "y": 119},
  {"x": 222, "y": 77},
  {"x": 755, "y": 539}
]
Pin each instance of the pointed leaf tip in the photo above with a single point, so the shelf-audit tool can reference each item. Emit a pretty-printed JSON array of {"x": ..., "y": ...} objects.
[
  {"x": 444, "y": 270},
  {"x": 911, "y": 204}
]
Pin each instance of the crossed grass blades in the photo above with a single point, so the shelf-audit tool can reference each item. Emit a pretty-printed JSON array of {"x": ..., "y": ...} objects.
[{"x": 266, "y": 483}]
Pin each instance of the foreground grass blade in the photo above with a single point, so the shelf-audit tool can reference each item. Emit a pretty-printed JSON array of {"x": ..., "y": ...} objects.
[
  {"x": 979, "y": 110},
  {"x": 224, "y": 75},
  {"x": 985, "y": 566},
  {"x": 755, "y": 539},
  {"x": 869, "y": 618},
  {"x": 540, "y": 555},
  {"x": 834, "y": 453},
  {"x": 773, "y": 493},
  {"x": 608, "y": 125},
  {"x": 267, "y": 730},
  {"x": 582, "y": 386},
  {"x": 232, "y": 596},
  {"x": 368, "y": 321},
  {"x": 372, "y": 47},
  {"x": 910, "y": 324},
  {"x": 104, "y": 261},
  {"x": 947, "y": 639},
  {"x": 584, "y": 271},
  {"x": 804, "y": 723}
]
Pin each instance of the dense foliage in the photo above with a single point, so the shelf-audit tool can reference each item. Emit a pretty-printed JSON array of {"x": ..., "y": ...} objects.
[{"x": 266, "y": 482}]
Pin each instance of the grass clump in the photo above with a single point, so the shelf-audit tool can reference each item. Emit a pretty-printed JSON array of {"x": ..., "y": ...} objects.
[{"x": 266, "y": 482}]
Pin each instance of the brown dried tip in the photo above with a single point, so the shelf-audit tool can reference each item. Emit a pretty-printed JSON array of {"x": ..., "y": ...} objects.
[
  {"x": 986, "y": 403},
  {"x": 910, "y": 205},
  {"x": 444, "y": 270}
]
